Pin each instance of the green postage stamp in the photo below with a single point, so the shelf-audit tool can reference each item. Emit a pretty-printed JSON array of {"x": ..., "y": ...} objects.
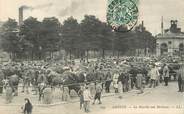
[{"x": 122, "y": 15}]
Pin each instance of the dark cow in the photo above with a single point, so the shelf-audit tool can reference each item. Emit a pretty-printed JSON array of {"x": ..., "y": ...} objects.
[
  {"x": 13, "y": 83},
  {"x": 72, "y": 81},
  {"x": 173, "y": 67},
  {"x": 13, "y": 74}
]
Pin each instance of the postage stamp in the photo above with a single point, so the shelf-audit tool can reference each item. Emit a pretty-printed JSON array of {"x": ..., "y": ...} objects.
[{"x": 122, "y": 15}]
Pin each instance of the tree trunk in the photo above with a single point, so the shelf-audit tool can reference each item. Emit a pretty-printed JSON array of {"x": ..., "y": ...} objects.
[
  {"x": 40, "y": 54},
  {"x": 52, "y": 54},
  {"x": 87, "y": 55},
  {"x": 70, "y": 54},
  {"x": 118, "y": 54},
  {"x": 103, "y": 53},
  {"x": 113, "y": 52},
  {"x": 32, "y": 55},
  {"x": 10, "y": 55}
]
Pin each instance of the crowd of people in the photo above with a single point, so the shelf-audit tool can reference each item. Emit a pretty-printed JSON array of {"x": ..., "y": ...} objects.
[
  {"x": 150, "y": 75},
  {"x": 120, "y": 75}
]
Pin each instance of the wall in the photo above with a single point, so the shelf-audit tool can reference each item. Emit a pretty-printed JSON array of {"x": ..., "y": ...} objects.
[{"x": 174, "y": 46}]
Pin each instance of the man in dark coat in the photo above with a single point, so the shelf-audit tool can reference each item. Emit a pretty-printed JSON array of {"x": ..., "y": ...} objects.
[
  {"x": 133, "y": 74},
  {"x": 98, "y": 93},
  {"x": 126, "y": 83},
  {"x": 108, "y": 82},
  {"x": 166, "y": 74},
  {"x": 124, "y": 78},
  {"x": 180, "y": 74},
  {"x": 179, "y": 82}
]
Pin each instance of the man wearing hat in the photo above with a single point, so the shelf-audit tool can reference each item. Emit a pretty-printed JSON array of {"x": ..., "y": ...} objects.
[
  {"x": 180, "y": 74},
  {"x": 140, "y": 82},
  {"x": 154, "y": 74},
  {"x": 166, "y": 74},
  {"x": 108, "y": 81},
  {"x": 125, "y": 80},
  {"x": 87, "y": 98},
  {"x": 133, "y": 75},
  {"x": 115, "y": 80},
  {"x": 98, "y": 93}
]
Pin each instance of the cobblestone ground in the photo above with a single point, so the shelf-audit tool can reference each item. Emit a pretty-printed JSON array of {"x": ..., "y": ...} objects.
[{"x": 159, "y": 100}]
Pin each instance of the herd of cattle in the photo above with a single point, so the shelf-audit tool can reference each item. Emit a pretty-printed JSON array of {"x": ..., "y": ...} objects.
[{"x": 41, "y": 74}]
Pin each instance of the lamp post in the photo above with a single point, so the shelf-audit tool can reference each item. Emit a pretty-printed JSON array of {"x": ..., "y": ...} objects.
[
  {"x": 60, "y": 45},
  {"x": 113, "y": 38},
  {"x": 40, "y": 52}
]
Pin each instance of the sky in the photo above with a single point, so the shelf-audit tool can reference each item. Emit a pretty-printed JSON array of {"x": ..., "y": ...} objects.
[{"x": 150, "y": 11}]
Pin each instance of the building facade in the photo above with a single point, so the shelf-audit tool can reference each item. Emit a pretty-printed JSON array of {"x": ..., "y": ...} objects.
[{"x": 171, "y": 41}]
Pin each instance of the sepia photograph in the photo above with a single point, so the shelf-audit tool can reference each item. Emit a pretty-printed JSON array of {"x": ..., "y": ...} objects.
[{"x": 92, "y": 56}]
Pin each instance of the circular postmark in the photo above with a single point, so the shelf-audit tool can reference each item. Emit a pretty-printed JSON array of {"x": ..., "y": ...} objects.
[{"x": 122, "y": 15}]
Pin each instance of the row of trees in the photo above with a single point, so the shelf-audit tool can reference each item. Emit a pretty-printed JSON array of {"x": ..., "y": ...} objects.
[
  {"x": 37, "y": 39},
  {"x": 32, "y": 40}
]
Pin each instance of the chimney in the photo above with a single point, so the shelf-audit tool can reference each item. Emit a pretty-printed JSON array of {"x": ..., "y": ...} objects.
[
  {"x": 174, "y": 27},
  {"x": 21, "y": 16}
]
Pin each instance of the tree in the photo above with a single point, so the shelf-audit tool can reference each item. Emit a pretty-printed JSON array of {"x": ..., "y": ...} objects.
[
  {"x": 30, "y": 33},
  {"x": 105, "y": 38},
  {"x": 50, "y": 39},
  {"x": 38, "y": 38},
  {"x": 10, "y": 40},
  {"x": 124, "y": 41},
  {"x": 91, "y": 30},
  {"x": 91, "y": 33},
  {"x": 144, "y": 39},
  {"x": 71, "y": 35}
]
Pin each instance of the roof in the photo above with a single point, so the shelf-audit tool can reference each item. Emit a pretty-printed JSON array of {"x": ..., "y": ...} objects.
[
  {"x": 172, "y": 32},
  {"x": 169, "y": 34}
]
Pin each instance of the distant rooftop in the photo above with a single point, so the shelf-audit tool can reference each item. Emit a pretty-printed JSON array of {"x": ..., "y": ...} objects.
[{"x": 172, "y": 32}]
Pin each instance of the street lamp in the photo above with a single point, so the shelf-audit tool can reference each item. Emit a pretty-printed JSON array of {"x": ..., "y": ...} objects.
[
  {"x": 113, "y": 31},
  {"x": 40, "y": 49},
  {"x": 60, "y": 46}
]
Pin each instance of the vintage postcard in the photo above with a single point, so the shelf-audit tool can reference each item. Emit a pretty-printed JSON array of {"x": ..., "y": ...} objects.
[{"x": 92, "y": 56}]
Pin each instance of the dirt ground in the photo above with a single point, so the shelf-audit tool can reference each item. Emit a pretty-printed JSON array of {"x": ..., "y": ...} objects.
[{"x": 159, "y": 100}]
